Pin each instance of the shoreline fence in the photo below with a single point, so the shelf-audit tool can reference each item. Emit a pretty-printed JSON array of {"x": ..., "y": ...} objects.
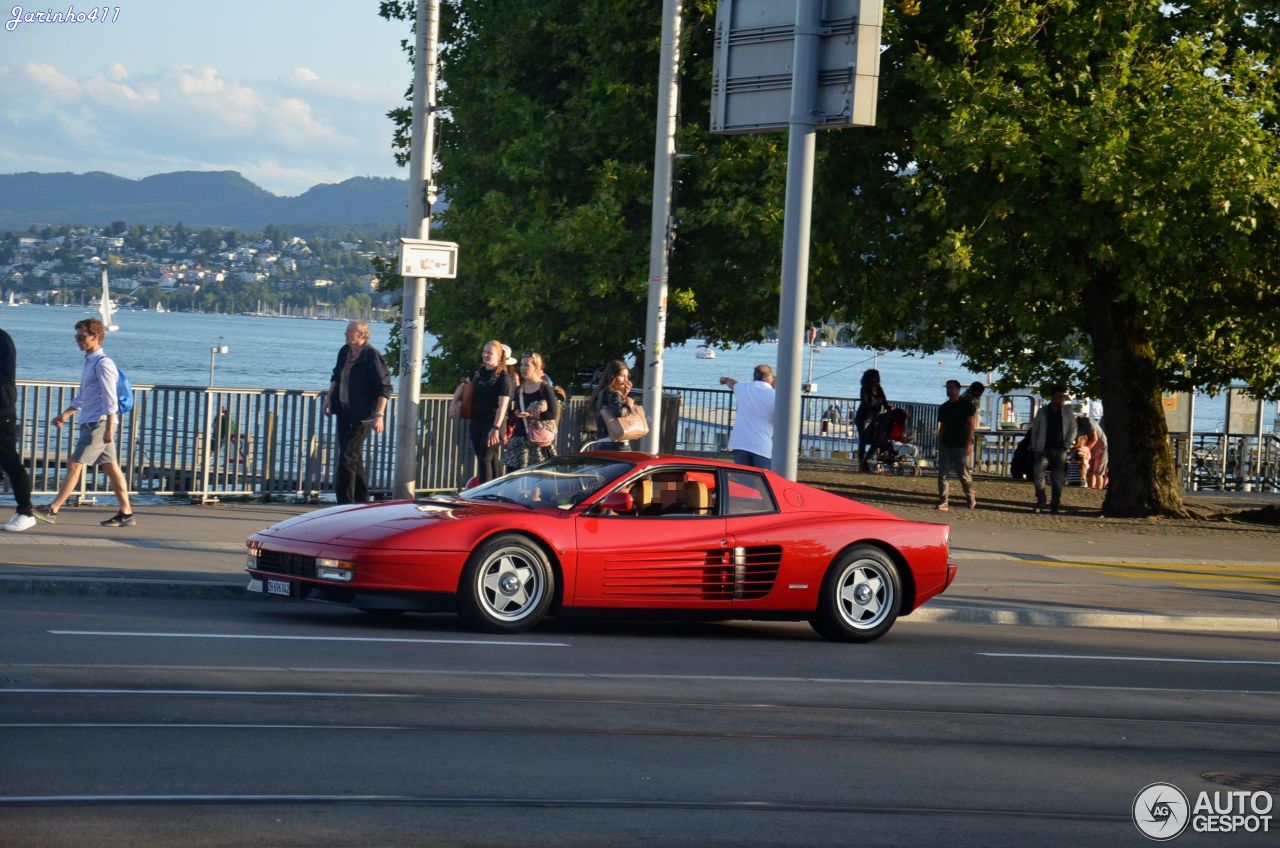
[{"x": 278, "y": 443}]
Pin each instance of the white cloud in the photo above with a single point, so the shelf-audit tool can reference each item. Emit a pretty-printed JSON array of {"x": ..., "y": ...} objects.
[
  {"x": 308, "y": 83},
  {"x": 53, "y": 82},
  {"x": 196, "y": 117}
]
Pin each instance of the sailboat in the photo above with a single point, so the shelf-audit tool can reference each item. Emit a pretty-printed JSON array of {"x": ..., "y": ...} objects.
[
  {"x": 12, "y": 300},
  {"x": 104, "y": 306}
]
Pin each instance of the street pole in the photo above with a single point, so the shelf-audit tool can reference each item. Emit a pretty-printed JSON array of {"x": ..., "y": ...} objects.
[
  {"x": 801, "y": 145},
  {"x": 414, "y": 299},
  {"x": 660, "y": 224}
]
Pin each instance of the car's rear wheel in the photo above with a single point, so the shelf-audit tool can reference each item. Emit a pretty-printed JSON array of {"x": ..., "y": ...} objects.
[
  {"x": 860, "y": 596},
  {"x": 507, "y": 585}
]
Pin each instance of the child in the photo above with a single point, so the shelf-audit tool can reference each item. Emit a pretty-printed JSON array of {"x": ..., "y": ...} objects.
[{"x": 1078, "y": 462}]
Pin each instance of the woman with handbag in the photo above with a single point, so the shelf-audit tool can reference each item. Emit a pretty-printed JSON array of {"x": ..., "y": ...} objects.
[
  {"x": 536, "y": 412},
  {"x": 490, "y": 401},
  {"x": 612, "y": 400}
]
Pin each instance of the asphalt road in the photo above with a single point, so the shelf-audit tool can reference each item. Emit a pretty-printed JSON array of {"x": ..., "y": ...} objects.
[{"x": 153, "y": 722}]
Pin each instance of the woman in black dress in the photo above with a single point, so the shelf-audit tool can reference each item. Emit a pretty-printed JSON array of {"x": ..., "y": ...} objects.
[
  {"x": 871, "y": 399},
  {"x": 490, "y": 404},
  {"x": 613, "y": 393}
]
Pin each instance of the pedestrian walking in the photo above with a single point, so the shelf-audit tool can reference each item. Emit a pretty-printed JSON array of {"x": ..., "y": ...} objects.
[
  {"x": 536, "y": 411},
  {"x": 751, "y": 439},
  {"x": 10, "y": 459},
  {"x": 359, "y": 389},
  {"x": 98, "y": 404},
  {"x": 613, "y": 393},
  {"x": 955, "y": 442},
  {"x": 1052, "y": 434}
]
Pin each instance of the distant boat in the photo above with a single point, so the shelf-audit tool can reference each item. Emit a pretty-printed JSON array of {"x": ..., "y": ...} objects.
[
  {"x": 12, "y": 300},
  {"x": 705, "y": 352},
  {"x": 160, "y": 307},
  {"x": 105, "y": 308}
]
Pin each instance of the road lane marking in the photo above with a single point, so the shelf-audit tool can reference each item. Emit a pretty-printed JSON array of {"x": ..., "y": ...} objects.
[
  {"x": 503, "y": 643},
  {"x": 1107, "y": 658},
  {"x": 508, "y": 801},
  {"x": 578, "y": 676}
]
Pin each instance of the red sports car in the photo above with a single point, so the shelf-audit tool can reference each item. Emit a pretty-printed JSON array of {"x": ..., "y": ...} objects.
[{"x": 600, "y": 534}]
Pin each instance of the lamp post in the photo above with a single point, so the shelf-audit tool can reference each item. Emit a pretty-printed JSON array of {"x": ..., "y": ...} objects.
[{"x": 214, "y": 350}]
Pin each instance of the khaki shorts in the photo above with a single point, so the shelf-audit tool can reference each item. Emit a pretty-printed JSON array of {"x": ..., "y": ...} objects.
[{"x": 90, "y": 447}]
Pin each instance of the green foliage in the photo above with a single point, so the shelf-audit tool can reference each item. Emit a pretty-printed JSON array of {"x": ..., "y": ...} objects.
[
  {"x": 1029, "y": 150},
  {"x": 546, "y": 156}
]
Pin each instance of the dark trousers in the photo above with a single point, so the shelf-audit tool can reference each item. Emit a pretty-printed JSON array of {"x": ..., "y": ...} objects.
[
  {"x": 12, "y": 463},
  {"x": 490, "y": 458},
  {"x": 1054, "y": 461},
  {"x": 864, "y": 437},
  {"x": 351, "y": 486}
]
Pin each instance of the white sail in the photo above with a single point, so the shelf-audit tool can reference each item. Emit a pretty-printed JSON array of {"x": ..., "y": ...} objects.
[{"x": 104, "y": 306}]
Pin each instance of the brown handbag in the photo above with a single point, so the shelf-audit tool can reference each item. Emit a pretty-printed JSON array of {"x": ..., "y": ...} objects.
[
  {"x": 628, "y": 426},
  {"x": 460, "y": 406}
]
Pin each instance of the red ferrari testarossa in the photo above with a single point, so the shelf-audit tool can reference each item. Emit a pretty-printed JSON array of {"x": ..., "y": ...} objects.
[{"x": 602, "y": 534}]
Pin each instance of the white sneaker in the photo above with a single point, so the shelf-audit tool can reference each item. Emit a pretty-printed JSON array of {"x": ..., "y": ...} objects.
[{"x": 19, "y": 522}]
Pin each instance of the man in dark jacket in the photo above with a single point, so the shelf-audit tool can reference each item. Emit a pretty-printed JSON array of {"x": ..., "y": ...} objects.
[
  {"x": 23, "y": 519},
  {"x": 358, "y": 393}
]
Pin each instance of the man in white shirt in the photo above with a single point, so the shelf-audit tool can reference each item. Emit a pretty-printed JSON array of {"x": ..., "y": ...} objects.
[
  {"x": 98, "y": 406},
  {"x": 752, "y": 437}
]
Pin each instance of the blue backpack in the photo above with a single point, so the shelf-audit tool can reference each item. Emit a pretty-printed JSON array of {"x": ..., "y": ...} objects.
[{"x": 124, "y": 393}]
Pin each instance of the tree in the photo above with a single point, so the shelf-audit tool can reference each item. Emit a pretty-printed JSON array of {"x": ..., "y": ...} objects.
[
  {"x": 1053, "y": 178},
  {"x": 546, "y": 156}
]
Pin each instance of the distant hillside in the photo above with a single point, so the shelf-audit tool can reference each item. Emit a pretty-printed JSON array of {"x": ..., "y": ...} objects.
[{"x": 195, "y": 198}]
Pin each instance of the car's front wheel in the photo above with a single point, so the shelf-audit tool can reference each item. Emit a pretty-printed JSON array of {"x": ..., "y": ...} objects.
[
  {"x": 507, "y": 585},
  {"x": 860, "y": 596}
]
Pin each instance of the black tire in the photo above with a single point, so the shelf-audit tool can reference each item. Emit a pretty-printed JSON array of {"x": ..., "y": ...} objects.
[
  {"x": 507, "y": 585},
  {"x": 860, "y": 596}
]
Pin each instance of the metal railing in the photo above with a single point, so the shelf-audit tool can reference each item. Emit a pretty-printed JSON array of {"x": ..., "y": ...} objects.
[{"x": 278, "y": 443}]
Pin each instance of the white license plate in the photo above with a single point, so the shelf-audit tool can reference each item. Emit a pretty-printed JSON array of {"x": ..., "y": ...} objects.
[{"x": 279, "y": 587}]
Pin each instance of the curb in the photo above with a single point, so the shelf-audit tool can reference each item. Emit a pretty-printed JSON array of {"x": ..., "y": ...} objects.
[
  {"x": 124, "y": 587},
  {"x": 224, "y": 589},
  {"x": 1099, "y": 619}
]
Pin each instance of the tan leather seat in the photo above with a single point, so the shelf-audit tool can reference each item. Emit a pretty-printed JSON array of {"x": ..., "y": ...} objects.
[
  {"x": 642, "y": 495},
  {"x": 697, "y": 497}
]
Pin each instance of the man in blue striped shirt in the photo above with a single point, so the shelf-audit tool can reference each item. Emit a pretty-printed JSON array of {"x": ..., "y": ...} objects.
[{"x": 98, "y": 406}]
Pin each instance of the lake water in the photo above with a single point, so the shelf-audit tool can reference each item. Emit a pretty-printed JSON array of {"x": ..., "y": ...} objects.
[{"x": 285, "y": 353}]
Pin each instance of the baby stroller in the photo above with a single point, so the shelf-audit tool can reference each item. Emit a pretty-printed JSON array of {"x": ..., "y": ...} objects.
[{"x": 891, "y": 448}]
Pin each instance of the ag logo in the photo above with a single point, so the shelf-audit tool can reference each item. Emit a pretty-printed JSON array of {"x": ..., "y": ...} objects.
[{"x": 1161, "y": 811}]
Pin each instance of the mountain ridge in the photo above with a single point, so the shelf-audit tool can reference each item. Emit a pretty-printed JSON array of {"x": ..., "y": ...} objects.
[{"x": 221, "y": 199}]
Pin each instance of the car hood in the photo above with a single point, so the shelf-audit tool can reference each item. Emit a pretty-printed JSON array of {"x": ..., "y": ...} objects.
[{"x": 356, "y": 524}]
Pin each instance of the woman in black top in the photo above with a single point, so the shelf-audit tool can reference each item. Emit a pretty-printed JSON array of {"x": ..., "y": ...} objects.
[
  {"x": 493, "y": 388},
  {"x": 612, "y": 393},
  {"x": 870, "y": 400},
  {"x": 535, "y": 401}
]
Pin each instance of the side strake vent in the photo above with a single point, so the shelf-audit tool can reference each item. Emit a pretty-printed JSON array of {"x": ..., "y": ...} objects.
[{"x": 754, "y": 571}]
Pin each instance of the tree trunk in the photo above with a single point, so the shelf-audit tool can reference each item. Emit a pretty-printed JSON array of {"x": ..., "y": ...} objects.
[{"x": 1143, "y": 479}]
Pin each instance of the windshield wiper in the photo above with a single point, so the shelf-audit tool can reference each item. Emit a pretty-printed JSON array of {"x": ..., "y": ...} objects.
[{"x": 501, "y": 499}]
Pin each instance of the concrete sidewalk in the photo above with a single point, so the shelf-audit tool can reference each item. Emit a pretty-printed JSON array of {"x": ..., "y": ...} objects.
[{"x": 1008, "y": 574}]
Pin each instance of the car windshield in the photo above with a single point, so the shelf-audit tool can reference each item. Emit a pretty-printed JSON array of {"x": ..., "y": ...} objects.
[{"x": 559, "y": 483}]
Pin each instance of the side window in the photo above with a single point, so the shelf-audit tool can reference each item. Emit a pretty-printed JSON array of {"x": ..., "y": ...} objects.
[
  {"x": 675, "y": 493},
  {"x": 748, "y": 494}
]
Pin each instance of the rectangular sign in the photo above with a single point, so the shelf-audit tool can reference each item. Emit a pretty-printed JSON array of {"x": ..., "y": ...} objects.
[
  {"x": 1177, "y": 411},
  {"x": 421, "y": 258},
  {"x": 754, "y": 50}
]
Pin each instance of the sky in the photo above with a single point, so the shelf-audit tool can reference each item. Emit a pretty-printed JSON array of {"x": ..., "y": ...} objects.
[{"x": 289, "y": 93}]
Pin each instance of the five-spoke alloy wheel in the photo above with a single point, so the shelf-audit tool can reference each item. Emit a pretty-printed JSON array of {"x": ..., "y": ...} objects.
[
  {"x": 507, "y": 585},
  {"x": 860, "y": 597}
]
